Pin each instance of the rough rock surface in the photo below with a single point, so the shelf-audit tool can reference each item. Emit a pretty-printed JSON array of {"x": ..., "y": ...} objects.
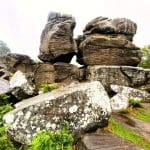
[
  {"x": 111, "y": 26},
  {"x": 16, "y": 62},
  {"x": 104, "y": 141},
  {"x": 121, "y": 100},
  {"x": 99, "y": 49},
  {"x": 84, "y": 106},
  {"x": 57, "y": 43},
  {"x": 22, "y": 85},
  {"x": 65, "y": 72},
  {"x": 4, "y": 74},
  {"x": 44, "y": 73},
  {"x": 120, "y": 75},
  {"x": 4, "y": 86}
]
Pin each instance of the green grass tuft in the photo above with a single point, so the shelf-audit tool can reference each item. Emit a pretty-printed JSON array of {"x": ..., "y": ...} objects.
[{"x": 118, "y": 129}]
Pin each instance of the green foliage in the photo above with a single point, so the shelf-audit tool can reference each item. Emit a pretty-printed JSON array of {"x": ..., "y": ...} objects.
[
  {"x": 118, "y": 129},
  {"x": 145, "y": 62},
  {"x": 134, "y": 103},
  {"x": 52, "y": 140},
  {"x": 3, "y": 48},
  {"x": 48, "y": 87},
  {"x": 4, "y": 99}
]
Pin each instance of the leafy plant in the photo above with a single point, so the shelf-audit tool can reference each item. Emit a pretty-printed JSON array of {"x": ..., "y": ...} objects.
[
  {"x": 145, "y": 62},
  {"x": 48, "y": 87},
  {"x": 52, "y": 140},
  {"x": 134, "y": 103},
  {"x": 4, "y": 99},
  {"x": 118, "y": 129},
  {"x": 3, "y": 48}
]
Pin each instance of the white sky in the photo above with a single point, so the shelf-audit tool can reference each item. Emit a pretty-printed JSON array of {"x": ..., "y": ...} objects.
[{"x": 22, "y": 21}]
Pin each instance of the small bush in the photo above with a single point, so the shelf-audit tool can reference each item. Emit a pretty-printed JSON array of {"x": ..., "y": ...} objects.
[
  {"x": 48, "y": 87},
  {"x": 52, "y": 140},
  {"x": 4, "y": 99},
  {"x": 134, "y": 103}
]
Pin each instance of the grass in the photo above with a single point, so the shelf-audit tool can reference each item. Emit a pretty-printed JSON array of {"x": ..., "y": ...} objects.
[{"x": 118, "y": 129}]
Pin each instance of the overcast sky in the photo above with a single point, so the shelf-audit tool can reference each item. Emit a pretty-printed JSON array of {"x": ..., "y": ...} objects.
[{"x": 22, "y": 21}]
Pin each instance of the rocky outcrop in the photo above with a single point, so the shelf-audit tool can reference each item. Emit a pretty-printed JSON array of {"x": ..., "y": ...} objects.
[
  {"x": 4, "y": 74},
  {"x": 111, "y": 26},
  {"x": 15, "y": 62},
  {"x": 22, "y": 85},
  {"x": 121, "y": 100},
  {"x": 68, "y": 72},
  {"x": 83, "y": 106},
  {"x": 44, "y": 73},
  {"x": 120, "y": 75},
  {"x": 4, "y": 86},
  {"x": 105, "y": 38},
  {"x": 57, "y": 43}
]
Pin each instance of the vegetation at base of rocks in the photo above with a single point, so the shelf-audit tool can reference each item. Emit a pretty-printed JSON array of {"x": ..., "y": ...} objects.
[
  {"x": 3, "y": 48},
  {"x": 145, "y": 62},
  {"x": 4, "y": 99},
  {"x": 44, "y": 88},
  {"x": 118, "y": 129},
  {"x": 52, "y": 140},
  {"x": 134, "y": 103},
  {"x": 5, "y": 142}
]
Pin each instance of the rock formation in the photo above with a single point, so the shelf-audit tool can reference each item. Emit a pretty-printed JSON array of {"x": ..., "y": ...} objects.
[
  {"x": 83, "y": 106},
  {"x": 108, "y": 42},
  {"x": 15, "y": 62},
  {"x": 57, "y": 43}
]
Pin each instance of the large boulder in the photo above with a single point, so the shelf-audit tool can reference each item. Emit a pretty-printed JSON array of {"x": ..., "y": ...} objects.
[
  {"x": 83, "y": 106},
  {"x": 44, "y": 73},
  {"x": 99, "y": 49},
  {"x": 121, "y": 100},
  {"x": 4, "y": 86},
  {"x": 15, "y": 62},
  {"x": 111, "y": 26},
  {"x": 67, "y": 72},
  {"x": 120, "y": 75},
  {"x": 22, "y": 85},
  {"x": 57, "y": 43}
]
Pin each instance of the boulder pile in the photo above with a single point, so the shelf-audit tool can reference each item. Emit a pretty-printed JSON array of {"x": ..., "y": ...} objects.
[{"x": 108, "y": 42}]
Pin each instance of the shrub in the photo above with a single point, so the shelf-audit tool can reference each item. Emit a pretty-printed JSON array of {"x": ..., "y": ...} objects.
[
  {"x": 134, "y": 103},
  {"x": 4, "y": 99},
  {"x": 48, "y": 87},
  {"x": 52, "y": 140}
]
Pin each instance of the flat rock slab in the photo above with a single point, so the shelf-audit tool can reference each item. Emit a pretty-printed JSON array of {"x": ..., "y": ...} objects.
[
  {"x": 84, "y": 107},
  {"x": 105, "y": 140}
]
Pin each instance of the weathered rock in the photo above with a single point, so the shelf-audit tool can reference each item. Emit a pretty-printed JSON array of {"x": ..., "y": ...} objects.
[
  {"x": 121, "y": 99},
  {"x": 4, "y": 74},
  {"x": 16, "y": 62},
  {"x": 120, "y": 75},
  {"x": 111, "y": 26},
  {"x": 99, "y": 49},
  {"x": 44, "y": 73},
  {"x": 104, "y": 141},
  {"x": 83, "y": 106},
  {"x": 66, "y": 72},
  {"x": 57, "y": 43},
  {"x": 4, "y": 86},
  {"x": 22, "y": 85}
]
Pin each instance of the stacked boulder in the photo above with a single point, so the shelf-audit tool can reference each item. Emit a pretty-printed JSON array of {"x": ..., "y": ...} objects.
[
  {"x": 57, "y": 43},
  {"x": 109, "y": 42}
]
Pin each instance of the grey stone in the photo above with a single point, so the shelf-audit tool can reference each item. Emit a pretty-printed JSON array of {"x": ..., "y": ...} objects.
[
  {"x": 111, "y": 26},
  {"x": 57, "y": 43},
  {"x": 22, "y": 85},
  {"x": 83, "y": 106},
  {"x": 121, "y": 100},
  {"x": 15, "y": 62},
  {"x": 4, "y": 86},
  {"x": 120, "y": 75},
  {"x": 4, "y": 74}
]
